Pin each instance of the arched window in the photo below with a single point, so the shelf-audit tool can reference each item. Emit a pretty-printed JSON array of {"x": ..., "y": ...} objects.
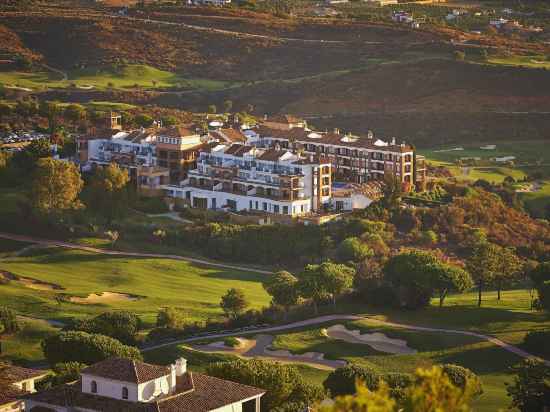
[
  {"x": 124, "y": 393},
  {"x": 93, "y": 386}
]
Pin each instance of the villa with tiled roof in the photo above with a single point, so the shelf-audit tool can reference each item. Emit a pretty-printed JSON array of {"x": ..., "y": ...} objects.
[
  {"x": 16, "y": 382},
  {"x": 118, "y": 384}
]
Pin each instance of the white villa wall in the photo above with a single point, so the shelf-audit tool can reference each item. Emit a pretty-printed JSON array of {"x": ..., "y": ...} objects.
[{"x": 110, "y": 388}]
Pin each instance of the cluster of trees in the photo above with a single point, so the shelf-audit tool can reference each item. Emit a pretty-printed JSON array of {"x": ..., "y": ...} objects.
[
  {"x": 83, "y": 347},
  {"x": 342, "y": 381},
  {"x": 316, "y": 283},
  {"x": 286, "y": 390},
  {"x": 8, "y": 321},
  {"x": 121, "y": 325}
]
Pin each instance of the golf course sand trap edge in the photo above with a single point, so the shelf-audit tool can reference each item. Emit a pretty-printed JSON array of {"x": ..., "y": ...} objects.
[
  {"x": 375, "y": 340},
  {"x": 260, "y": 348},
  {"x": 103, "y": 297}
]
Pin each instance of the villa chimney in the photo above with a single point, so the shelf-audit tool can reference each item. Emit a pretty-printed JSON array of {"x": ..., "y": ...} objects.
[
  {"x": 336, "y": 131},
  {"x": 181, "y": 366},
  {"x": 277, "y": 146},
  {"x": 370, "y": 134},
  {"x": 265, "y": 116},
  {"x": 393, "y": 141}
]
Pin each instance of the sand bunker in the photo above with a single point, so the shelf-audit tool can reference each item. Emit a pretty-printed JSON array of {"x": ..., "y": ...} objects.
[
  {"x": 105, "y": 297},
  {"x": 259, "y": 348},
  {"x": 29, "y": 282},
  {"x": 375, "y": 340}
]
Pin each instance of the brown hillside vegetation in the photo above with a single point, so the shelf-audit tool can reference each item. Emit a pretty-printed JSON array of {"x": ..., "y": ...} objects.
[
  {"x": 11, "y": 45},
  {"x": 71, "y": 42}
]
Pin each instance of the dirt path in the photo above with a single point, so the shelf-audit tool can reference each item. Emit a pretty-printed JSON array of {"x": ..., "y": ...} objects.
[{"x": 68, "y": 245}]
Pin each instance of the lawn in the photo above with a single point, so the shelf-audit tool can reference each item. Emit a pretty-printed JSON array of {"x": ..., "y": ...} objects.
[
  {"x": 130, "y": 76},
  {"x": 154, "y": 283},
  {"x": 538, "y": 202},
  {"x": 532, "y": 62},
  {"x": 24, "y": 347},
  {"x": 488, "y": 361}
]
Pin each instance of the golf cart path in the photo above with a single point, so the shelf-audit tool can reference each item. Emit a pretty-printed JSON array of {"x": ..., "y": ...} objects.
[
  {"x": 69, "y": 245},
  {"x": 308, "y": 322},
  {"x": 330, "y": 318}
]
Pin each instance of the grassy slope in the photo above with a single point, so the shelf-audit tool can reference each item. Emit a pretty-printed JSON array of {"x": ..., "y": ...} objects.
[
  {"x": 127, "y": 77},
  {"x": 508, "y": 320},
  {"x": 159, "y": 283}
]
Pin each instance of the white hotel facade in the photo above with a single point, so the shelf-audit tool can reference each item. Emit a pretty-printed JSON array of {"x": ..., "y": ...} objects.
[{"x": 239, "y": 177}]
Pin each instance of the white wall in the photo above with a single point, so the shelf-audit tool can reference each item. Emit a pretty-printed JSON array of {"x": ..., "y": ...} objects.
[
  {"x": 154, "y": 388},
  {"x": 109, "y": 388}
]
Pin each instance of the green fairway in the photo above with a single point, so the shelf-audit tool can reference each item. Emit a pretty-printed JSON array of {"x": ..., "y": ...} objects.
[
  {"x": 488, "y": 361},
  {"x": 130, "y": 76},
  {"x": 537, "y": 202},
  {"x": 24, "y": 347},
  {"x": 152, "y": 284},
  {"x": 532, "y": 62}
]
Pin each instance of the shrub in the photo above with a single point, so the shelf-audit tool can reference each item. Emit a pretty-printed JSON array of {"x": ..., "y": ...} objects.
[
  {"x": 459, "y": 376},
  {"x": 352, "y": 249},
  {"x": 537, "y": 342},
  {"x": 231, "y": 342},
  {"x": 283, "y": 383},
  {"x": 342, "y": 380},
  {"x": 122, "y": 325},
  {"x": 85, "y": 348},
  {"x": 530, "y": 390}
]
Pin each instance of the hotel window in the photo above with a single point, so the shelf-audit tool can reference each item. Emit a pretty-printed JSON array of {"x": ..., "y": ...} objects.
[
  {"x": 276, "y": 209},
  {"x": 265, "y": 206}
]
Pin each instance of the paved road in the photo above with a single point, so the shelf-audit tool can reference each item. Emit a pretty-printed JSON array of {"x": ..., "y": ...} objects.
[{"x": 69, "y": 245}]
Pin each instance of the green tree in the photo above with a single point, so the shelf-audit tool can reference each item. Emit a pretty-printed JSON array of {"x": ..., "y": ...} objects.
[
  {"x": 143, "y": 120},
  {"x": 530, "y": 390},
  {"x": 73, "y": 346},
  {"x": 120, "y": 325},
  {"x": 317, "y": 282},
  {"x": 283, "y": 383},
  {"x": 484, "y": 265},
  {"x": 170, "y": 318},
  {"x": 212, "y": 109},
  {"x": 342, "y": 381},
  {"x": 169, "y": 121},
  {"x": 75, "y": 113},
  {"x": 459, "y": 55},
  {"x": 432, "y": 391},
  {"x": 352, "y": 249},
  {"x": 508, "y": 268},
  {"x": 234, "y": 302},
  {"x": 108, "y": 194},
  {"x": 227, "y": 105},
  {"x": 8, "y": 320},
  {"x": 55, "y": 186},
  {"x": 410, "y": 273},
  {"x": 446, "y": 278},
  {"x": 463, "y": 378},
  {"x": 35, "y": 150},
  {"x": 283, "y": 288},
  {"x": 540, "y": 276}
]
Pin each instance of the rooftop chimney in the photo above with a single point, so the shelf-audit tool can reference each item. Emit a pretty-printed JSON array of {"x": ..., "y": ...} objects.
[
  {"x": 393, "y": 141},
  {"x": 370, "y": 134},
  {"x": 336, "y": 131},
  {"x": 181, "y": 366}
]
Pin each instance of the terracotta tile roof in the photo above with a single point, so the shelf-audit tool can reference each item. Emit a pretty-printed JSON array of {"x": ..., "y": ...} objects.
[
  {"x": 9, "y": 394},
  {"x": 209, "y": 394},
  {"x": 176, "y": 131},
  {"x": 195, "y": 392},
  {"x": 126, "y": 370},
  {"x": 229, "y": 135},
  {"x": 303, "y": 136},
  {"x": 271, "y": 155},
  {"x": 11, "y": 374},
  {"x": 238, "y": 149}
]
